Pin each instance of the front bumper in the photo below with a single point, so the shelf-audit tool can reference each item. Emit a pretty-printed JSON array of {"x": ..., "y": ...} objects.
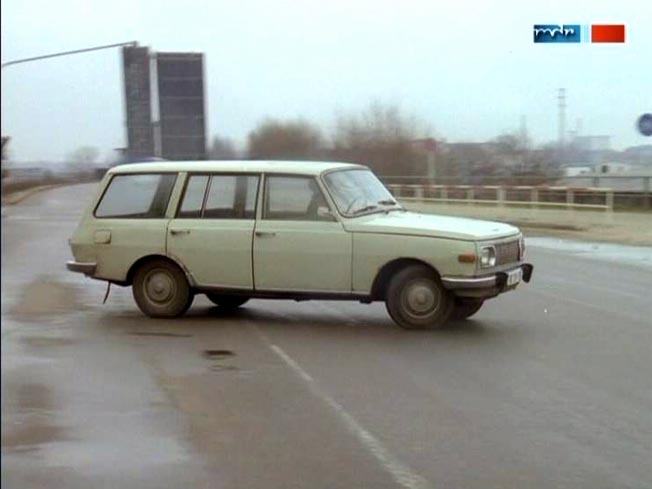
[
  {"x": 485, "y": 286},
  {"x": 87, "y": 268}
]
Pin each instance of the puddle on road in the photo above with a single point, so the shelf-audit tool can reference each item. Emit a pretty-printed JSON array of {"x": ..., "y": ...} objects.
[
  {"x": 217, "y": 354},
  {"x": 46, "y": 297},
  {"x": 633, "y": 255},
  {"x": 29, "y": 437},
  {"x": 37, "y": 342},
  {"x": 34, "y": 405},
  {"x": 160, "y": 333},
  {"x": 223, "y": 368}
]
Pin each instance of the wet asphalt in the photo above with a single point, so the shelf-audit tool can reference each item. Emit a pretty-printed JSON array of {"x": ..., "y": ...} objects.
[{"x": 549, "y": 386}]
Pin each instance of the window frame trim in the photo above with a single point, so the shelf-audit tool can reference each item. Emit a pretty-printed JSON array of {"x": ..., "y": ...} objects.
[
  {"x": 210, "y": 176},
  {"x": 315, "y": 178}
]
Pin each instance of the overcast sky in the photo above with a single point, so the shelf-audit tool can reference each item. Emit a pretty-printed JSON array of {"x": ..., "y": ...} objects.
[{"x": 469, "y": 69}]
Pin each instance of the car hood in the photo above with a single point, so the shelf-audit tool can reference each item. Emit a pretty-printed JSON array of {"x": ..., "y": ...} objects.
[{"x": 416, "y": 224}]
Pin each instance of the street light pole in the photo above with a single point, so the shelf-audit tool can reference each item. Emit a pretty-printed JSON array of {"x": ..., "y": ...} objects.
[
  {"x": 55, "y": 55},
  {"x": 66, "y": 53}
]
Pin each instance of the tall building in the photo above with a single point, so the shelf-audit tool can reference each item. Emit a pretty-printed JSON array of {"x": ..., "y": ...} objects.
[{"x": 165, "y": 104}]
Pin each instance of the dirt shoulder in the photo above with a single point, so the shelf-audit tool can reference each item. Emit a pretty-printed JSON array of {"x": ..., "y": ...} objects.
[
  {"x": 13, "y": 197},
  {"x": 632, "y": 228},
  {"x": 15, "y": 191}
]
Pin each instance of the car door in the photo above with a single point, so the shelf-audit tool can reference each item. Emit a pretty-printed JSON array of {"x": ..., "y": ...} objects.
[
  {"x": 299, "y": 245},
  {"x": 212, "y": 231}
]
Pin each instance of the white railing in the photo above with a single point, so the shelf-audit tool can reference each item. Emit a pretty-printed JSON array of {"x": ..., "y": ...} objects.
[{"x": 564, "y": 197}]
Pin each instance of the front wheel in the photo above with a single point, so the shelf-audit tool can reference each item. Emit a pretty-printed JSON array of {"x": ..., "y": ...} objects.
[
  {"x": 465, "y": 309},
  {"x": 161, "y": 290},
  {"x": 416, "y": 299},
  {"x": 227, "y": 301}
]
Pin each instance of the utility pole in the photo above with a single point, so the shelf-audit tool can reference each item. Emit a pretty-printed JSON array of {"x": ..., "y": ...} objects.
[
  {"x": 562, "y": 117},
  {"x": 523, "y": 131}
]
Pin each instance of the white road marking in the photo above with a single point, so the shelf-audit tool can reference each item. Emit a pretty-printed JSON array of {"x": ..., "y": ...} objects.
[
  {"x": 559, "y": 279},
  {"x": 401, "y": 473}
]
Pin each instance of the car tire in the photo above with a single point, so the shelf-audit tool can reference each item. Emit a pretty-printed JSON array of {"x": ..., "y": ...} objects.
[
  {"x": 465, "y": 309},
  {"x": 416, "y": 299},
  {"x": 227, "y": 301},
  {"x": 161, "y": 290}
]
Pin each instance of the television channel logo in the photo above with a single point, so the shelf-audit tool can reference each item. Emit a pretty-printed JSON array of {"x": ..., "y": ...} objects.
[
  {"x": 551, "y": 33},
  {"x": 574, "y": 33}
]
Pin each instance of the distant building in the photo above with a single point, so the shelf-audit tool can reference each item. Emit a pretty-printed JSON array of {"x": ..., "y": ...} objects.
[
  {"x": 591, "y": 143},
  {"x": 427, "y": 147},
  {"x": 639, "y": 155},
  {"x": 614, "y": 167},
  {"x": 575, "y": 170},
  {"x": 589, "y": 150}
]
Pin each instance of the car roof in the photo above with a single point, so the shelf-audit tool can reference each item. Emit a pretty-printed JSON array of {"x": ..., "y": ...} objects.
[{"x": 244, "y": 166}]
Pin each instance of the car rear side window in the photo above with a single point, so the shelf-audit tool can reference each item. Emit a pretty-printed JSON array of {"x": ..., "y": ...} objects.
[
  {"x": 227, "y": 197},
  {"x": 138, "y": 196}
]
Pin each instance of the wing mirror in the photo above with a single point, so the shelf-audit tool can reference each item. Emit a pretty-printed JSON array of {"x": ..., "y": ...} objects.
[{"x": 325, "y": 213}]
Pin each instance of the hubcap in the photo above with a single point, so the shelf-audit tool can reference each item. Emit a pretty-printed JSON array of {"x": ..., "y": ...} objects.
[
  {"x": 420, "y": 299},
  {"x": 159, "y": 286}
]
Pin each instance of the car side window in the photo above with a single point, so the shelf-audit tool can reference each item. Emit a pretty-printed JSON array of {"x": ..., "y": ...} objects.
[
  {"x": 291, "y": 198},
  {"x": 137, "y": 196},
  {"x": 220, "y": 197}
]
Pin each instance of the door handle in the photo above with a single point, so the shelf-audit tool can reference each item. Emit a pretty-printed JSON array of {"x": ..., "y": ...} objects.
[
  {"x": 263, "y": 234},
  {"x": 179, "y": 231}
]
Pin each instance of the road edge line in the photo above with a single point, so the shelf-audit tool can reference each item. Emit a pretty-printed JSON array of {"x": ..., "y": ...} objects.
[{"x": 401, "y": 473}]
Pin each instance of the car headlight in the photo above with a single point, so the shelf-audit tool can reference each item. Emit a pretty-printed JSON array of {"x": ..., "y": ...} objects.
[
  {"x": 521, "y": 248},
  {"x": 487, "y": 256}
]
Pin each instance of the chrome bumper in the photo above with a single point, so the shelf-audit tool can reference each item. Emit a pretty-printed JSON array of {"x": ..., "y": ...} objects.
[
  {"x": 489, "y": 285},
  {"x": 87, "y": 268}
]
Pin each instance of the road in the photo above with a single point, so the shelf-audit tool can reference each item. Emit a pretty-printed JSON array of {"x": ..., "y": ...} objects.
[{"x": 548, "y": 387}]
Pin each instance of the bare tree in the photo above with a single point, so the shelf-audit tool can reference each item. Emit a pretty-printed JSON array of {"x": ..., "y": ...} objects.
[
  {"x": 222, "y": 149},
  {"x": 381, "y": 137},
  {"x": 82, "y": 159},
  {"x": 292, "y": 140},
  {"x": 84, "y": 155},
  {"x": 5, "y": 154}
]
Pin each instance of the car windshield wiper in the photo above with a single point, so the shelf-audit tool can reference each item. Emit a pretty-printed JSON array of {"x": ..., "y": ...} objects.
[
  {"x": 364, "y": 209},
  {"x": 392, "y": 202}
]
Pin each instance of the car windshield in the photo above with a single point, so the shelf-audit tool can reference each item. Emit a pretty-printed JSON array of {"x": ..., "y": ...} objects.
[{"x": 356, "y": 192}]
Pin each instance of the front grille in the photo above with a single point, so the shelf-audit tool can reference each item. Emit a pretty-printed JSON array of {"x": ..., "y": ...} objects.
[{"x": 506, "y": 252}]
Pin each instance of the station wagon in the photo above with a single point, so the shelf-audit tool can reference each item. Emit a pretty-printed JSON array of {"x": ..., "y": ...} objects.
[{"x": 288, "y": 230}]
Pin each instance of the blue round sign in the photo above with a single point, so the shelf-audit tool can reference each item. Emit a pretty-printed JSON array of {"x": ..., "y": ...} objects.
[{"x": 645, "y": 124}]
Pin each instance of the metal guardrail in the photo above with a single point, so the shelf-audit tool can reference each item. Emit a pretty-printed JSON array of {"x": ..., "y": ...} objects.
[
  {"x": 563, "y": 197},
  {"x": 631, "y": 190}
]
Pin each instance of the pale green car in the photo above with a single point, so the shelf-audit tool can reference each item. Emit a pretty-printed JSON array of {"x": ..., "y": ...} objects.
[{"x": 288, "y": 230}]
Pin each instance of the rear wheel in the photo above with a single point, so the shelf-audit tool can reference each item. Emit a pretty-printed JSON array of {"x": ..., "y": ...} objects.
[
  {"x": 160, "y": 289},
  {"x": 465, "y": 309},
  {"x": 416, "y": 299},
  {"x": 227, "y": 301}
]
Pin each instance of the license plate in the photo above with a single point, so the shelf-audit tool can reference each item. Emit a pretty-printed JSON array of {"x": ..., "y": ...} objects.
[{"x": 514, "y": 277}]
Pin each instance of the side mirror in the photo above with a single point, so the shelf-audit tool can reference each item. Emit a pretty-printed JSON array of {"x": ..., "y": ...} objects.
[{"x": 325, "y": 213}]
